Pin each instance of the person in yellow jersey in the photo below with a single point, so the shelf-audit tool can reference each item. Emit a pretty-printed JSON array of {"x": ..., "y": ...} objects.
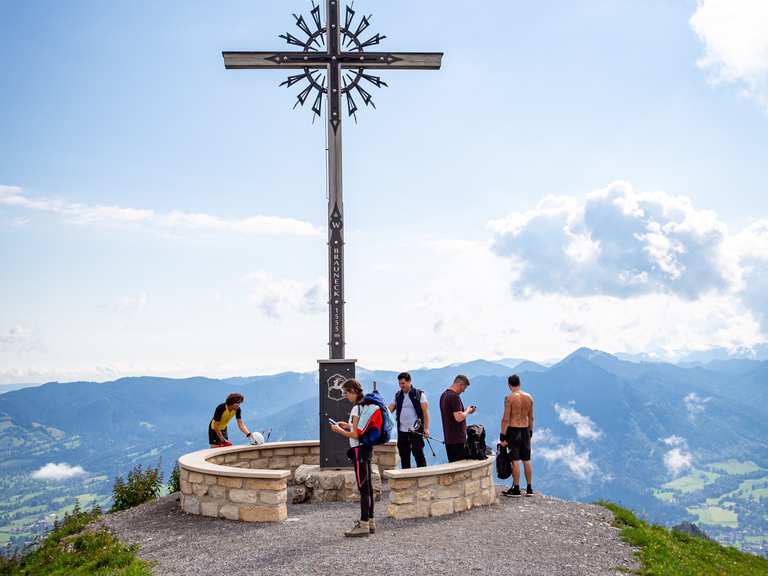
[{"x": 217, "y": 429}]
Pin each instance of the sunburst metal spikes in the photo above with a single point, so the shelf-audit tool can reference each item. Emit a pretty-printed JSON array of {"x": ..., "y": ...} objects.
[{"x": 317, "y": 79}]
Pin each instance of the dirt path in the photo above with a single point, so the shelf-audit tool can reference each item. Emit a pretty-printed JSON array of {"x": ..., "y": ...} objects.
[{"x": 527, "y": 536}]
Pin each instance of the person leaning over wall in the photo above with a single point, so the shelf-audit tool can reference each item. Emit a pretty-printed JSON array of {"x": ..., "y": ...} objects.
[{"x": 224, "y": 412}]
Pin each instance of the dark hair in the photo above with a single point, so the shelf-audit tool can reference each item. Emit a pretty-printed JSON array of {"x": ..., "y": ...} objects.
[
  {"x": 461, "y": 378},
  {"x": 404, "y": 376},
  {"x": 235, "y": 398},
  {"x": 514, "y": 381},
  {"x": 352, "y": 385}
]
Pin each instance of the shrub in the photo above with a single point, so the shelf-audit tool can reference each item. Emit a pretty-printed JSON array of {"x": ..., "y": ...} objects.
[
  {"x": 142, "y": 485},
  {"x": 174, "y": 482},
  {"x": 72, "y": 550}
]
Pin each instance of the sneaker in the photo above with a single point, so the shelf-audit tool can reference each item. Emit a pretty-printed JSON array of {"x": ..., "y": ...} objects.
[
  {"x": 513, "y": 492},
  {"x": 358, "y": 530},
  {"x": 372, "y": 526},
  {"x": 529, "y": 491}
]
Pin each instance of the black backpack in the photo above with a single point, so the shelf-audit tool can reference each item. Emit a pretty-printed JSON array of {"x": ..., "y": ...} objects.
[
  {"x": 503, "y": 463},
  {"x": 476, "y": 449}
]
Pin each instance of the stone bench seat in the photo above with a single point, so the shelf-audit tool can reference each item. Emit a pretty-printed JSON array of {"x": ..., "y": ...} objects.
[
  {"x": 440, "y": 490},
  {"x": 250, "y": 483}
]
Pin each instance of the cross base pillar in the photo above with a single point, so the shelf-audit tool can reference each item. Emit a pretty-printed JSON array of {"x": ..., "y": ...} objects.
[{"x": 334, "y": 404}]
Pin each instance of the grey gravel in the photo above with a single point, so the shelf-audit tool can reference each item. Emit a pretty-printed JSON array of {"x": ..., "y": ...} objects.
[{"x": 526, "y": 536}]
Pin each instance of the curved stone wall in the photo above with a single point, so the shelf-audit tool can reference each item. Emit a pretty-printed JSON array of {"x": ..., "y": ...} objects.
[
  {"x": 440, "y": 490},
  {"x": 250, "y": 483}
]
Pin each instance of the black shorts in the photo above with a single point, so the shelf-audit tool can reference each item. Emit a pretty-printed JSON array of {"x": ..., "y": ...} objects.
[
  {"x": 213, "y": 438},
  {"x": 519, "y": 444}
]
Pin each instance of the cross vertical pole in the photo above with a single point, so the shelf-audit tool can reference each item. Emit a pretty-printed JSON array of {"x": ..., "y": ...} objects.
[
  {"x": 337, "y": 368},
  {"x": 336, "y": 336}
]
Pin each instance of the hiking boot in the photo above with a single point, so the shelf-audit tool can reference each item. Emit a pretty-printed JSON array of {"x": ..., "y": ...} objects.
[
  {"x": 360, "y": 529},
  {"x": 372, "y": 526},
  {"x": 529, "y": 490},
  {"x": 513, "y": 492}
]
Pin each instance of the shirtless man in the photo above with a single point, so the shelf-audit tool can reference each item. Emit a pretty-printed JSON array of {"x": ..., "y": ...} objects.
[{"x": 517, "y": 429}]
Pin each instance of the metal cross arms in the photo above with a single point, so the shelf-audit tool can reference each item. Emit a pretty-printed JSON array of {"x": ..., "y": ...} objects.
[{"x": 334, "y": 60}]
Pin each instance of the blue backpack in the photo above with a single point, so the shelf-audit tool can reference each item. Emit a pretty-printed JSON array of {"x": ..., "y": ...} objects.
[{"x": 378, "y": 429}]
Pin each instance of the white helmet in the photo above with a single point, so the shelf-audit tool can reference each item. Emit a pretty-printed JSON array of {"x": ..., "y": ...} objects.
[{"x": 257, "y": 438}]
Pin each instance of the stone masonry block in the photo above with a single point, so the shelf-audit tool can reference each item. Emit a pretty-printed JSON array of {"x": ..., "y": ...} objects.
[
  {"x": 199, "y": 489},
  {"x": 284, "y": 452},
  {"x": 243, "y": 496},
  {"x": 479, "y": 473},
  {"x": 295, "y": 461},
  {"x": 195, "y": 478},
  {"x": 427, "y": 481},
  {"x": 471, "y": 487},
  {"x": 402, "y": 497},
  {"x": 442, "y": 508},
  {"x": 218, "y": 492},
  {"x": 210, "y": 508},
  {"x": 402, "y": 484},
  {"x": 278, "y": 463},
  {"x": 190, "y": 504},
  {"x": 424, "y": 494},
  {"x": 263, "y": 484},
  {"x": 272, "y": 497},
  {"x": 183, "y": 474},
  {"x": 462, "y": 504},
  {"x": 263, "y": 513},
  {"x": 209, "y": 480},
  {"x": 230, "y": 511},
  {"x": 445, "y": 480},
  {"x": 449, "y": 492},
  {"x": 230, "y": 482},
  {"x": 186, "y": 487}
]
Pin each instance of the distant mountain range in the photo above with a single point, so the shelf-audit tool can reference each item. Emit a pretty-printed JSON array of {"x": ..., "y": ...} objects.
[{"x": 678, "y": 443}]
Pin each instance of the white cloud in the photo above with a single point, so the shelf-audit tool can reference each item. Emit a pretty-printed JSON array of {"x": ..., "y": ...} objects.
[
  {"x": 20, "y": 339},
  {"x": 751, "y": 246},
  {"x": 695, "y": 404},
  {"x": 678, "y": 458},
  {"x": 84, "y": 214},
  {"x": 620, "y": 243},
  {"x": 579, "y": 463},
  {"x": 585, "y": 427},
  {"x": 615, "y": 242},
  {"x": 57, "y": 472},
  {"x": 276, "y": 297},
  {"x": 735, "y": 38}
]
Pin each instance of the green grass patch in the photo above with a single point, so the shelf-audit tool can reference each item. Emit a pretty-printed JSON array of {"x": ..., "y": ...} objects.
[
  {"x": 692, "y": 482},
  {"x": 664, "y": 496},
  {"x": 736, "y": 468},
  {"x": 70, "y": 551},
  {"x": 668, "y": 553},
  {"x": 715, "y": 515}
]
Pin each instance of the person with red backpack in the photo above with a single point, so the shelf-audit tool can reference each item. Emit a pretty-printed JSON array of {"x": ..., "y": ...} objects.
[{"x": 369, "y": 424}]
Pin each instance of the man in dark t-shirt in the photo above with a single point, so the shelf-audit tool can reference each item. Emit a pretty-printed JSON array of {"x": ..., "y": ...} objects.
[
  {"x": 455, "y": 419},
  {"x": 217, "y": 429}
]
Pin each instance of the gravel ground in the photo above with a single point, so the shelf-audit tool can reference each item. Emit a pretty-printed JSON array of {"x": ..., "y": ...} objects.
[{"x": 525, "y": 536}]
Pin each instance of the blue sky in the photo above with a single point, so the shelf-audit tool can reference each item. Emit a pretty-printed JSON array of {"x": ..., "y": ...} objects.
[{"x": 583, "y": 173}]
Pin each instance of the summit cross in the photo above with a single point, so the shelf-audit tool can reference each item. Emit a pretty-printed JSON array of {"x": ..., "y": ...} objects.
[{"x": 334, "y": 62}]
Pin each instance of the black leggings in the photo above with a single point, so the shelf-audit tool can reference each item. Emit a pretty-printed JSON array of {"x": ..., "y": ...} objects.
[{"x": 364, "y": 477}]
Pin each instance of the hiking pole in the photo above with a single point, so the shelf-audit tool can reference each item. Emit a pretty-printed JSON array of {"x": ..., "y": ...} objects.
[{"x": 413, "y": 431}]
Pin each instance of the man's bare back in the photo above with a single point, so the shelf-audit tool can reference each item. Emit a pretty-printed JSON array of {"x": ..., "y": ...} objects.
[{"x": 519, "y": 409}]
